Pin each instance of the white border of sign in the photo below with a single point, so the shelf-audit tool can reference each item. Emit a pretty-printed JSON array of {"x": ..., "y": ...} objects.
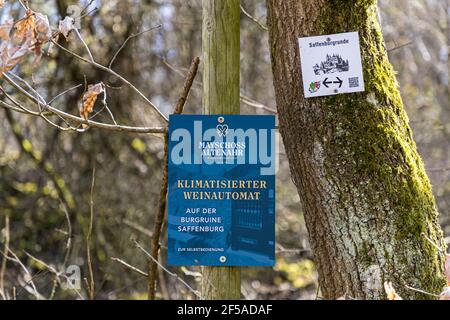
[{"x": 331, "y": 64}]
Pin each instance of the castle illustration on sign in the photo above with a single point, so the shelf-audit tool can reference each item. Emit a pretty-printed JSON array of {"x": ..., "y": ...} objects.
[{"x": 333, "y": 63}]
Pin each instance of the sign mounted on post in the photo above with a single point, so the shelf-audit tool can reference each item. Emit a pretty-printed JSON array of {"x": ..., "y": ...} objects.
[
  {"x": 221, "y": 190},
  {"x": 331, "y": 64}
]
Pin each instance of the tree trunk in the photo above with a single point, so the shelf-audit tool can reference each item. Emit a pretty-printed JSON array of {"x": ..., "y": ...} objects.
[
  {"x": 369, "y": 206},
  {"x": 221, "y": 84}
]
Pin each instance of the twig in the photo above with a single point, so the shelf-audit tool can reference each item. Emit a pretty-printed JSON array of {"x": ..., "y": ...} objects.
[
  {"x": 174, "y": 275},
  {"x": 84, "y": 10},
  {"x": 30, "y": 87},
  {"x": 282, "y": 250},
  {"x": 84, "y": 44},
  {"x": 163, "y": 286},
  {"x": 63, "y": 93},
  {"x": 129, "y": 266},
  {"x": 179, "y": 71},
  {"x": 57, "y": 281},
  {"x": 63, "y": 192},
  {"x": 399, "y": 47},
  {"x": 57, "y": 274},
  {"x": 440, "y": 249},
  {"x": 105, "y": 104},
  {"x": 190, "y": 273},
  {"x": 255, "y": 104},
  {"x": 30, "y": 282},
  {"x": 4, "y": 259},
  {"x": 69, "y": 235},
  {"x": 421, "y": 291},
  {"x": 128, "y": 39},
  {"x": 159, "y": 219},
  {"x": 198, "y": 84},
  {"x": 17, "y": 104},
  {"x": 39, "y": 261},
  {"x": 112, "y": 72},
  {"x": 23, "y": 5},
  {"x": 76, "y": 119},
  {"x": 190, "y": 77},
  {"x": 440, "y": 170},
  {"x": 91, "y": 283},
  {"x": 262, "y": 26},
  {"x": 138, "y": 227},
  {"x": 40, "y": 101}
]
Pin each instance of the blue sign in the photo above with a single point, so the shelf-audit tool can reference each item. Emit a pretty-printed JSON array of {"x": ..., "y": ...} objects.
[{"x": 221, "y": 190}]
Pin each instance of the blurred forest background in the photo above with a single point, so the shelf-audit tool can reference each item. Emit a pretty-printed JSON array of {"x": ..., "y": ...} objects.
[{"x": 39, "y": 195}]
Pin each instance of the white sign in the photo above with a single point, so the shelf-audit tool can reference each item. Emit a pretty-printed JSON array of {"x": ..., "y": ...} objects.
[{"x": 331, "y": 64}]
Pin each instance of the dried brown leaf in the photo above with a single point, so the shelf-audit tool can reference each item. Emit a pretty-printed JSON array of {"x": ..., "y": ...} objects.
[
  {"x": 5, "y": 30},
  {"x": 390, "y": 292},
  {"x": 11, "y": 55},
  {"x": 66, "y": 26},
  {"x": 89, "y": 99},
  {"x": 42, "y": 28},
  {"x": 25, "y": 27},
  {"x": 43, "y": 34}
]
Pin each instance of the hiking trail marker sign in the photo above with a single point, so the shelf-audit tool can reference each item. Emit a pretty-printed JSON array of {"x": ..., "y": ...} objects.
[
  {"x": 331, "y": 64},
  {"x": 221, "y": 190}
]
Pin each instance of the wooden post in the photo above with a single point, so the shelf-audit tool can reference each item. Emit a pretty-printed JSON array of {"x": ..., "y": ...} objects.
[{"x": 221, "y": 95}]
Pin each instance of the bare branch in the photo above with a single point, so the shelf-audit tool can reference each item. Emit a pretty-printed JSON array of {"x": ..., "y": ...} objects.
[
  {"x": 138, "y": 227},
  {"x": 84, "y": 44},
  {"x": 422, "y": 291},
  {"x": 29, "y": 282},
  {"x": 4, "y": 260},
  {"x": 262, "y": 26},
  {"x": 400, "y": 46},
  {"x": 73, "y": 118},
  {"x": 91, "y": 283},
  {"x": 159, "y": 220},
  {"x": 58, "y": 274},
  {"x": 434, "y": 244},
  {"x": 244, "y": 99},
  {"x": 129, "y": 266},
  {"x": 255, "y": 104},
  {"x": 63, "y": 93},
  {"x": 439, "y": 170},
  {"x": 69, "y": 234},
  {"x": 112, "y": 72},
  {"x": 128, "y": 39},
  {"x": 39, "y": 261},
  {"x": 174, "y": 275},
  {"x": 190, "y": 77}
]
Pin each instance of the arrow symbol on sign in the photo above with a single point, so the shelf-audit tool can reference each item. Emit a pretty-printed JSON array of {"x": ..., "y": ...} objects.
[
  {"x": 326, "y": 82},
  {"x": 340, "y": 82}
]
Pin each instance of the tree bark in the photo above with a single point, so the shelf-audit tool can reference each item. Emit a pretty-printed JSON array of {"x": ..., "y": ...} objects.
[{"x": 368, "y": 203}]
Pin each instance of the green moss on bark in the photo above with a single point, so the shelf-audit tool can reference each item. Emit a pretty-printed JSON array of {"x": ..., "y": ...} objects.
[
  {"x": 369, "y": 204},
  {"x": 370, "y": 138}
]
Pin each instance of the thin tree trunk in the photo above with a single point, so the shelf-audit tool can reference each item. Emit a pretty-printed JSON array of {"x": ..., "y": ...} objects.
[
  {"x": 221, "y": 84},
  {"x": 369, "y": 206}
]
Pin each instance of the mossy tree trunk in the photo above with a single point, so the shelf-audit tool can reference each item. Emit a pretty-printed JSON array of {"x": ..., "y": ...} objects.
[{"x": 368, "y": 203}]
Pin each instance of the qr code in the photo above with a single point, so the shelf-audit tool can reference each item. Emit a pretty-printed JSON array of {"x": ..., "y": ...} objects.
[{"x": 353, "y": 82}]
